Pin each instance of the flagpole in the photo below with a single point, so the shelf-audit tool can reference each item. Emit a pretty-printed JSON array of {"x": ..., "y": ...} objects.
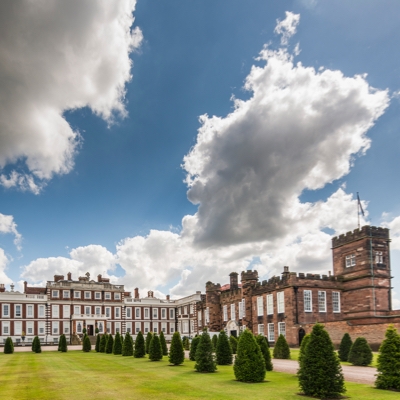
[{"x": 358, "y": 211}]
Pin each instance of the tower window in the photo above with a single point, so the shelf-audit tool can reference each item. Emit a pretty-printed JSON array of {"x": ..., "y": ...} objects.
[
  {"x": 351, "y": 260},
  {"x": 379, "y": 257}
]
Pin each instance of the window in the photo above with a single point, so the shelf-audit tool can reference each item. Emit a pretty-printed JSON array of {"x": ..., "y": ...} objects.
[
  {"x": 240, "y": 309},
  {"x": 77, "y": 295},
  {"x": 41, "y": 311},
  {"x": 271, "y": 333},
  {"x": 270, "y": 304},
  {"x": 97, "y": 295},
  {"x": 6, "y": 328},
  {"x": 101, "y": 327},
  {"x": 55, "y": 311},
  {"x": 108, "y": 327},
  {"x": 207, "y": 316},
  {"x": 322, "y": 301},
  {"x": 117, "y": 296},
  {"x": 66, "y": 311},
  {"x": 379, "y": 257},
  {"x": 128, "y": 312},
  {"x": 185, "y": 310},
  {"x": 225, "y": 312},
  {"x": 171, "y": 327},
  {"x": 244, "y": 308},
  {"x": 108, "y": 312},
  {"x": 261, "y": 329},
  {"x": 155, "y": 327},
  {"x": 280, "y": 297},
  {"x": 77, "y": 310},
  {"x": 6, "y": 311},
  {"x": 54, "y": 293},
  {"x": 66, "y": 328},
  {"x": 107, "y": 295},
  {"x": 180, "y": 311},
  {"x": 171, "y": 313},
  {"x": 180, "y": 327},
  {"x": 163, "y": 313},
  {"x": 118, "y": 327},
  {"x": 29, "y": 328},
  {"x": 41, "y": 327},
  {"x": 55, "y": 327},
  {"x": 155, "y": 313},
  {"x": 129, "y": 327},
  {"x": 117, "y": 312},
  {"x": 137, "y": 313},
  {"x": 17, "y": 327},
  {"x": 199, "y": 316},
  {"x": 137, "y": 327},
  {"x": 233, "y": 316},
  {"x": 98, "y": 311},
  {"x": 87, "y": 310},
  {"x": 336, "y": 302},
  {"x": 146, "y": 327},
  {"x": 79, "y": 327},
  {"x": 191, "y": 326},
  {"x": 147, "y": 313},
  {"x": 185, "y": 326},
  {"x": 66, "y": 294},
  {"x": 88, "y": 295},
  {"x": 29, "y": 311},
  {"x": 351, "y": 260},
  {"x": 18, "y": 310},
  {"x": 164, "y": 327},
  {"x": 282, "y": 328},
  {"x": 260, "y": 310},
  {"x": 307, "y": 301},
  {"x": 191, "y": 309}
]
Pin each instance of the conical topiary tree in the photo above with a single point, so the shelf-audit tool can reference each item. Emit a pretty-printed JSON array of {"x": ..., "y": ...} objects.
[
  {"x": 249, "y": 363},
  {"x": 360, "y": 353},
  {"x": 140, "y": 348},
  {"x": 103, "y": 343},
  {"x": 233, "y": 341},
  {"x": 214, "y": 341},
  {"x": 59, "y": 343},
  {"x": 87, "y": 346},
  {"x": 155, "y": 350},
  {"x": 36, "y": 346},
  {"x": 163, "y": 344},
  {"x": 149, "y": 336},
  {"x": 281, "y": 349},
  {"x": 97, "y": 347},
  {"x": 109, "y": 344},
  {"x": 186, "y": 343},
  {"x": 8, "y": 346},
  {"x": 303, "y": 347},
  {"x": 223, "y": 351},
  {"x": 127, "y": 346},
  {"x": 345, "y": 346},
  {"x": 176, "y": 352},
  {"x": 193, "y": 348},
  {"x": 388, "y": 376},
  {"x": 117, "y": 345},
  {"x": 320, "y": 373},
  {"x": 263, "y": 343},
  {"x": 63, "y": 344},
  {"x": 204, "y": 354}
]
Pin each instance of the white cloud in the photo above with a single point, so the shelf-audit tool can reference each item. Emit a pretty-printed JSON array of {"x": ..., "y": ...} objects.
[
  {"x": 4, "y": 279},
  {"x": 287, "y": 28},
  {"x": 57, "y": 56},
  {"x": 394, "y": 226},
  {"x": 7, "y": 225}
]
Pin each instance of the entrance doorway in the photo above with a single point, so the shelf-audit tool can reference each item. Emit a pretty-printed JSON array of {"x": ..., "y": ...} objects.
[
  {"x": 302, "y": 333},
  {"x": 233, "y": 333},
  {"x": 90, "y": 330}
]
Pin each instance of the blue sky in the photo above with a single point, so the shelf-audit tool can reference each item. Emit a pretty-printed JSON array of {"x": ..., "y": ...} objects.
[{"x": 111, "y": 160}]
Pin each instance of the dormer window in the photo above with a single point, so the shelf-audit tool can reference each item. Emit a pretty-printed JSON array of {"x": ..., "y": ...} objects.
[{"x": 351, "y": 260}]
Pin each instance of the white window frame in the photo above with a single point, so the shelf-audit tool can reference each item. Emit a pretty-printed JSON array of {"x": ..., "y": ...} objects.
[
  {"x": 97, "y": 310},
  {"x": 164, "y": 327},
  {"x": 261, "y": 329},
  {"x": 108, "y": 327},
  {"x": 66, "y": 294},
  {"x": 171, "y": 313},
  {"x": 163, "y": 313},
  {"x": 128, "y": 312},
  {"x": 55, "y": 311},
  {"x": 55, "y": 293},
  {"x": 379, "y": 257},
  {"x": 55, "y": 328},
  {"x": 100, "y": 325},
  {"x": 108, "y": 312},
  {"x": 5, "y": 328},
  {"x": 225, "y": 312},
  {"x": 155, "y": 313},
  {"x": 271, "y": 332},
  {"x": 350, "y": 260},
  {"x": 97, "y": 295},
  {"x": 260, "y": 306},
  {"x": 282, "y": 328},
  {"x": 244, "y": 308},
  {"x": 117, "y": 326},
  {"x": 322, "y": 301},
  {"x": 307, "y": 300},
  {"x": 146, "y": 313},
  {"x": 41, "y": 327},
  {"x": 30, "y": 310},
  {"x": 88, "y": 295},
  {"x": 17, "y": 328},
  {"x": 191, "y": 309},
  {"x": 155, "y": 327},
  {"x": 66, "y": 328},
  {"x": 88, "y": 310},
  {"x": 107, "y": 296},
  {"x": 280, "y": 299},
  {"x": 117, "y": 312},
  {"x": 117, "y": 296},
  {"x": 77, "y": 294},
  {"x": 146, "y": 327},
  {"x": 233, "y": 312},
  {"x": 15, "y": 310},
  {"x": 336, "y": 302},
  {"x": 41, "y": 311},
  {"x": 270, "y": 304},
  {"x": 6, "y": 311},
  {"x": 185, "y": 310},
  {"x": 128, "y": 327},
  {"x": 207, "y": 316},
  {"x": 137, "y": 312},
  {"x": 77, "y": 310},
  {"x": 29, "y": 328},
  {"x": 171, "y": 327},
  {"x": 66, "y": 311},
  {"x": 137, "y": 327},
  {"x": 185, "y": 326}
]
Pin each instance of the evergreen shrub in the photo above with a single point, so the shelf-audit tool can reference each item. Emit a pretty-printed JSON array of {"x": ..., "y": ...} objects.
[
  {"x": 36, "y": 346},
  {"x": 233, "y": 341},
  {"x": 63, "y": 344},
  {"x": 360, "y": 353},
  {"x": 103, "y": 343},
  {"x": 155, "y": 350},
  {"x": 140, "y": 349},
  {"x": 186, "y": 343},
  {"x": 303, "y": 347},
  {"x": 87, "y": 346},
  {"x": 223, "y": 351},
  {"x": 176, "y": 352},
  {"x": 281, "y": 349},
  {"x": 163, "y": 344},
  {"x": 204, "y": 354},
  {"x": 8, "y": 346},
  {"x": 109, "y": 344},
  {"x": 263, "y": 343},
  {"x": 127, "y": 346},
  {"x": 117, "y": 345},
  {"x": 193, "y": 348},
  {"x": 149, "y": 336},
  {"x": 97, "y": 347},
  {"x": 345, "y": 346},
  {"x": 214, "y": 342}
]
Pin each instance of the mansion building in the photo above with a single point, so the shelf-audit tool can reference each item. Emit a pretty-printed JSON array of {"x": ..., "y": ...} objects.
[{"x": 355, "y": 298}]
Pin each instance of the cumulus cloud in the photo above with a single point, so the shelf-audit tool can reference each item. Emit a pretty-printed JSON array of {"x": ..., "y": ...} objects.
[
  {"x": 287, "y": 27},
  {"x": 8, "y": 225},
  {"x": 57, "y": 56},
  {"x": 4, "y": 279}
]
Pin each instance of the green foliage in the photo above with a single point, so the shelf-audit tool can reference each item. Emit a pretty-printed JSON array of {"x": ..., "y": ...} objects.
[
  {"x": 320, "y": 373},
  {"x": 204, "y": 357},
  {"x": 63, "y": 344},
  {"x": 84, "y": 331},
  {"x": 345, "y": 346},
  {"x": 36, "y": 346},
  {"x": 281, "y": 349},
  {"x": 186, "y": 343},
  {"x": 303, "y": 347},
  {"x": 233, "y": 341},
  {"x": 87, "y": 346},
  {"x": 103, "y": 343},
  {"x": 127, "y": 346},
  {"x": 8, "y": 346},
  {"x": 155, "y": 350},
  {"x": 214, "y": 341},
  {"x": 249, "y": 362},
  {"x": 163, "y": 344},
  {"x": 176, "y": 352},
  {"x": 223, "y": 350},
  {"x": 97, "y": 347},
  {"x": 193, "y": 348},
  {"x": 360, "y": 353},
  {"x": 149, "y": 336},
  {"x": 263, "y": 343},
  {"x": 59, "y": 344},
  {"x": 388, "y": 376},
  {"x": 140, "y": 349},
  {"x": 117, "y": 345},
  {"x": 109, "y": 344}
]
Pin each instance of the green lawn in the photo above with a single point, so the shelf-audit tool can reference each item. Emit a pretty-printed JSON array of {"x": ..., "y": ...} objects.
[{"x": 77, "y": 375}]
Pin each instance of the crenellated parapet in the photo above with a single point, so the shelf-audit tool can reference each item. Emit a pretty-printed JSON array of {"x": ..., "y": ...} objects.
[{"x": 358, "y": 234}]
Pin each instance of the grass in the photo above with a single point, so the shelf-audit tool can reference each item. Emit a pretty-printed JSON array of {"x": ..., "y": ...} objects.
[{"x": 53, "y": 375}]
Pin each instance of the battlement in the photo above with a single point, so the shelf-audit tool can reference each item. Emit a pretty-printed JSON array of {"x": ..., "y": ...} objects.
[
  {"x": 357, "y": 234},
  {"x": 249, "y": 275},
  {"x": 212, "y": 286}
]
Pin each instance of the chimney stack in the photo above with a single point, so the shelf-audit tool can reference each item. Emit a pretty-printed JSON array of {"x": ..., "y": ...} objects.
[
  {"x": 168, "y": 297},
  {"x": 136, "y": 293},
  {"x": 25, "y": 286},
  {"x": 99, "y": 278},
  {"x": 69, "y": 275},
  {"x": 233, "y": 280}
]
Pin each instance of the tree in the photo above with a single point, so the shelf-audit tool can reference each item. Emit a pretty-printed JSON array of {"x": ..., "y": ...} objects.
[
  {"x": 103, "y": 343},
  {"x": 8, "y": 346},
  {"x": 388, "y": 376},
  {"x": 163, "y": 344},
  {"x": 140, "y": 349},
  {"x": 97, "y": 347},
  {"x": 59, "y": 344},
  {"x": 155, "y": 350},
  {"x": 204, "y": 358},
  {"x": 263, "y": 343},
  {"x": 176, "y": 352},
  {"x": 109, "y": 344},
  {"x": 345, "y": 346},
  {"x": 233, "y": 341},
  {"x": 281, "y": 349},
  {"x": 360, "y": 353},
  {"x": 186, "y": 343},
  {"x": 127, "y": 346},
  {"x": 303, "y": 347},
  {"x": 87, "y": 346},
  {"x": 149, "y": 336},
  {"x": 36, "y": 346},
  {"x": 214, "y": 342},
  {"x": 193, "y": 348},
  {"x": 63, "y": 344},
  {"x": 320, "y": 373},
  {"x": 249, "y": 363},
  {"x": 117, "y": 345},
  {"x": 223, "y": 351}
]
